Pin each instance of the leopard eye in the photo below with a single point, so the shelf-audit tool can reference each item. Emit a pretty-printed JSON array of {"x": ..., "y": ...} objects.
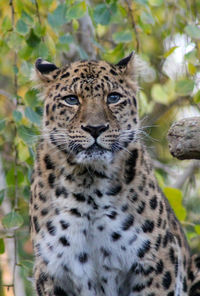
[
  {"x": 113, "y": 98},
  {"x": 71, "y": 100}
]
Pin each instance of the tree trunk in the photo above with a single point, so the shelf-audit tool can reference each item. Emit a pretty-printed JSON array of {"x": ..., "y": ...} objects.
[{"x": 184, "y": 138}]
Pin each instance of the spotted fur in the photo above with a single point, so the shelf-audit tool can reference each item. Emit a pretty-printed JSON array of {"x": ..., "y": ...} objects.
[{"x": 100, "y": 224}]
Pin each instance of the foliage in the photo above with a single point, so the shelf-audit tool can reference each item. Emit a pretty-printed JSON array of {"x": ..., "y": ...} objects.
[{"x": 162, "y": 31}]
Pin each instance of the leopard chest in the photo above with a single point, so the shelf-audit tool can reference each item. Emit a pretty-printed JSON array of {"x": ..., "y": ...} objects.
[{"x": 81, "y": 236}]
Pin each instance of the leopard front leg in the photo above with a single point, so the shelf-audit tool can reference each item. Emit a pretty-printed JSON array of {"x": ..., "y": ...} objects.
[{"x": 44, "y": 284}]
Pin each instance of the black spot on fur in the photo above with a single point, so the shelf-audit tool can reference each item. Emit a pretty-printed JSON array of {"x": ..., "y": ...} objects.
[
  {"x": 59, "y": 292},
  {"x": 51, "y": 229},
  {"x": 64, "y": 224},
  {"x": 75, "y": 212},
  {"x": 65, "y": 75},
  {"x": 141, "y": 207},
  {"x": 83, "y": 257},
  {"x": 44, "y": 212},
  {"x": 42, "y": 197},
  {"x": 115, "y": 236},
  {"x": 114, "y": 190},
  {"x": 158, "y": 242},
  {"x": 98, "y": 193},
  {"x": 36, "y": 224},
  {"x": 48, "y": 162},
  {"x": 51, "y": 180},
  {"x": 79, "y": 197},
  {"x": 138, "y": 288},
  {"x": 159, "y": 267},
  {"x": 128, "y": 222},
  {"x": 148, "y": 226},
  {"x": 130, "y": 163},
  {"x": 153, "y": 202},
  {"x": 112, "y": 215},
  {"x": 144, "y": 249},
  {"x": 166, "y": 281},
  {"x": 64, "y": 241},
  {"x": 61, "y": 190}
]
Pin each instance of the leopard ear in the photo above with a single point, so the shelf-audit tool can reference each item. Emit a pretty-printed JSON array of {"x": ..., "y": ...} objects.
[
  {"x": 44, "y": 71},
  {"x": 130, "y": 66},
  {"x": 125, "y": 61}
]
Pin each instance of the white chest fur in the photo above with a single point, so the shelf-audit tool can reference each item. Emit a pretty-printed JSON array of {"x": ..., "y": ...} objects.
[{"x": 90, "y": 243}]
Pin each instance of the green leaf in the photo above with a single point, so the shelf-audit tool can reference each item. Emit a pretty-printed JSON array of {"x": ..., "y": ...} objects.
[
  {"x": 12, "y": 220},
  {"x": 77, "y": 11},
  {"x": 193, "y": 31},
  {"x": 156, "y": 2},
  {"x": 114, "y": 55},
  {"x": 31, "y": 98},
  {"x": 6, "y": 24},
  {"x": 158, "y": 94},
  {"x": 10, "y": 177},
  {"x": 102, "y": 14},
  {"x": 27, "y": 134},
  {"x": 21, "y": 27},
  {"x": 191, "y": 69},
  {"x": 27, "y": 18},
  {"x": 15, "y": 41},
  {"x": 170, "y": 51},
  {"x": 68, "y": 38},
  {"x": 2, "y": 124},
  {"x": 124, "y": 37},
  {"x": 184, "y": 87},
  {"x": 147, "y": 18},
  {"x": 197, "y": 229},
  {"x": 175, "y": 199},
  {"x": 32, "y": 115},
  {"x": 43, "y": 51},
  {"x": 23, "y": 151},
  {"x": 15, "y": 69},
  {"x": 82, "y": 53},
  {"x": 26, "y": 193},
  {"x": 197, "y": 97},
  {"x": 58, "y": 17},
  {"x": 32, "y": 40},
  {"x": 142, "y": 2},
  {"x": 17, "y": 115},
  {"x": 2, "y": 193},
  {"x": 2, "y": 246},
  {"x": 191, "y": 56}
]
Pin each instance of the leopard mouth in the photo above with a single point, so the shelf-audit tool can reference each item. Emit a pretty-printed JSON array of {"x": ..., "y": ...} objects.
[
  {"x": 95, "y": 148},
  {"x": 94, "y": 154}
]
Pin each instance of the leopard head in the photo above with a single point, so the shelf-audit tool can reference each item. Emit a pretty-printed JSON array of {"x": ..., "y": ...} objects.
[{"x": 90, "y": 107}]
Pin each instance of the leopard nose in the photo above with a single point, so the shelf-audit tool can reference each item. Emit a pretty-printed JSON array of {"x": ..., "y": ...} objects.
[{"x": 95, "y": 130}]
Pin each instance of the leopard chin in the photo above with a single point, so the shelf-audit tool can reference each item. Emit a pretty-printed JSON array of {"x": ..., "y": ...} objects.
[{"x": 94, "y": 153}]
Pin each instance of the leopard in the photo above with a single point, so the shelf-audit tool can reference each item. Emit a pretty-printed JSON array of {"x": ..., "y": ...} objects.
[{"x": 100, "y": 224}]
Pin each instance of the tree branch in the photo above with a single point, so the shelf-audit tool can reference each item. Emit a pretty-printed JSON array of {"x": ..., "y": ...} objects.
[
  {"x": 160, "y": 109},
  {"x": 132, "y": 17},
  {"x": 184, "y": 138},
  {"x": 187, "y": 174}
]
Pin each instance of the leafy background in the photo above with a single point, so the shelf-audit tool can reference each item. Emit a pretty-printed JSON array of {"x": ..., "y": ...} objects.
[{"x": 166, "y": 35}]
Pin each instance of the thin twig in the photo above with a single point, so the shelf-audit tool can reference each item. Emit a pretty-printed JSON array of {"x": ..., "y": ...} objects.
[
  {"x": 38, "y": 15},
  {"x": 132, "y": 17},
  {"x": 187, "y": 174},
  {"x": 6, "y": 94},
  {"x": 161, "y": 109},
  {"x": 15, "y": 148}
]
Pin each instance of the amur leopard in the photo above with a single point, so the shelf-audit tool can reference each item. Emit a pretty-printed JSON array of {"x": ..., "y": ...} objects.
[{"x": 100, "y": 224}]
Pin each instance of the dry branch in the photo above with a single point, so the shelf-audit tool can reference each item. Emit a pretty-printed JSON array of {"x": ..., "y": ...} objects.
[{"x": 184, "y": 138}]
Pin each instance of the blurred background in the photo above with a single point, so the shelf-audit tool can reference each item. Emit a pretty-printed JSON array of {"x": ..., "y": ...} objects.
[{"x": 164, "y": 33}]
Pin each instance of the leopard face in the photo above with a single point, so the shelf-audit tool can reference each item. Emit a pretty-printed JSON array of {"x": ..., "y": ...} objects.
[{"x": 90, "y": 108}]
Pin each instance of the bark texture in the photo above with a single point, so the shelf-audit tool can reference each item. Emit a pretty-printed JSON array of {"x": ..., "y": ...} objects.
[{"x": 184, "y": 138}]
